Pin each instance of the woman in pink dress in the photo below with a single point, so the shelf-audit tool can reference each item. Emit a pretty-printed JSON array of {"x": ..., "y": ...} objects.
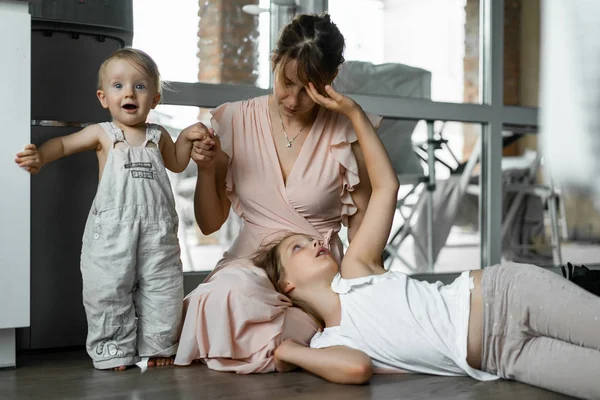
[{"x": 282, "y": 163}]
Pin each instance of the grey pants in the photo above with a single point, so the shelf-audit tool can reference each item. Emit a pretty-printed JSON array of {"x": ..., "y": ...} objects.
[
  {"x": 541, "y": 329},
  {"x": 132, "y": 290}
]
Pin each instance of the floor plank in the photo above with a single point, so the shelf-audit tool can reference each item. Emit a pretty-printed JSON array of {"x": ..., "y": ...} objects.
[{"x": 70, "y": 375}]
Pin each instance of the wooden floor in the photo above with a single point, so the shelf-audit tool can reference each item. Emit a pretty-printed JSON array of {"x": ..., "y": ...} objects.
[{"x": 69, "y": 375}]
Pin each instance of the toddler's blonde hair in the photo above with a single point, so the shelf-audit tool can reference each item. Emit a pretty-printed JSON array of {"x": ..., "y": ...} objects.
[{"x": 139, "y": 58}]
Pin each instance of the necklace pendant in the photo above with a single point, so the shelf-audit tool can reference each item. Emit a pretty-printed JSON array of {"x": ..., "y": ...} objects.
[{"x": 289, "y": 144}]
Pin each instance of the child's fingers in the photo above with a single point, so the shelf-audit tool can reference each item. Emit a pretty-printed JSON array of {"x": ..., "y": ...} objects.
[
  {"x": 202, "y": 137},
  {"x": 203, "y": 145},
  {"x": 19, "y": 160},
  {"x": 30, "y": 147},
  {"x": 209, "y": 140},
  {"x": 27, "y": 163},
  {"x": 26, "y": 152}
]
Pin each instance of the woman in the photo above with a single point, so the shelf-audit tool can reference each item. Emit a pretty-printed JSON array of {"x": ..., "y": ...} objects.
[{"x": 282, "y": 163}]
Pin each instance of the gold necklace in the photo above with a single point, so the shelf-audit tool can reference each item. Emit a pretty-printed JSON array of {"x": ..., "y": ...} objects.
[{"x": 289, "y": 142}]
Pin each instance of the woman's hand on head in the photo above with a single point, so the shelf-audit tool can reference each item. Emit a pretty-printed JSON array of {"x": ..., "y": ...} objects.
[{"x": 335, "y": 102}]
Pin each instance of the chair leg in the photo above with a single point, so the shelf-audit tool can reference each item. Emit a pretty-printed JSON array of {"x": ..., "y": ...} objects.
[
  {"x": 563, "y": 218},
  {"x": 556, "y": 249},
  {"x": 404, "y": 231}
]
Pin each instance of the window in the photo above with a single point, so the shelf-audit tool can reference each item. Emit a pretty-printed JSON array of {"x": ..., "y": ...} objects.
[
  {"x": 437, "y": 38},
  {"x": 206, "y": 41}
]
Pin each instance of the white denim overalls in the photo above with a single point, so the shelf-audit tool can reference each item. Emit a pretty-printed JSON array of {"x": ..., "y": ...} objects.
[{"x": 130, "y": 258}]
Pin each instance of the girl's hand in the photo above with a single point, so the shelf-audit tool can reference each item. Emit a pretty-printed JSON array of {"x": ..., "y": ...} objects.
[
  {"x": 280, "y": 364},
  {"x": 29, "y": 159},
  {"x": 336, "y": 101}
]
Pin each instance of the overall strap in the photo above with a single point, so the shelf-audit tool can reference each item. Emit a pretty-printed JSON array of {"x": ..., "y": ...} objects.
[
  {"x": 153, "y": 134},
  {"x": 114, "y": 132}
]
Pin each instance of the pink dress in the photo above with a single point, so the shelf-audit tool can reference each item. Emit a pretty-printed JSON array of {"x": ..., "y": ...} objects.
[{"x": 235, "y": 319}]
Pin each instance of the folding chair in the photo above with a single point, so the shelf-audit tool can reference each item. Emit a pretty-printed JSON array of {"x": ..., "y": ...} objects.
[{"x": 398, "y": 80}]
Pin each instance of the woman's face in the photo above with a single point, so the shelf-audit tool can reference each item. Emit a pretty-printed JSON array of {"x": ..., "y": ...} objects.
[
  {"x": 306, "y": 262},
  {"x": 290, "y": 94}
]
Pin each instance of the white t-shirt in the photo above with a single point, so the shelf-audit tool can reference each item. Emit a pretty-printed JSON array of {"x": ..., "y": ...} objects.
[{"x": 403, "y": 323}]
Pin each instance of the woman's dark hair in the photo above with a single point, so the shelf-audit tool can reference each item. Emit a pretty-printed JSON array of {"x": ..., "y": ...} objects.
[
  {"x": 316, "y": 44},
  {"x": 269, "y": 259}
]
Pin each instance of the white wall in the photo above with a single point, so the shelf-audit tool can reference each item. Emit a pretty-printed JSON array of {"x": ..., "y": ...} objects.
[{"x": 15, "y": 60}]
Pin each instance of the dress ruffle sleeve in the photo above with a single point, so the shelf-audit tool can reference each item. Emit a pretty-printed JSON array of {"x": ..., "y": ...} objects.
[
  {"x": 223, "y": 123},
  {"x": 341, "y": 149}
]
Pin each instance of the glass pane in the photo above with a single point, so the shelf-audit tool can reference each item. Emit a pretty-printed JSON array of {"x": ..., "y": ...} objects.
[
  {"x": 568, "y": 217},
  {"x": 579, "y": 226},
  {"x": 521, "y": 52},
  {"x": 198, "y": 252},
  {"x": 458, "y": 236},
  {"x": 434, "y": 44},
  {"x": 210, "y": 41}
]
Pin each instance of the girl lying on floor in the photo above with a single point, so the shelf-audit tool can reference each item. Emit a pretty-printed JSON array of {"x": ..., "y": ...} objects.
[{"x": 511, "y": 321}]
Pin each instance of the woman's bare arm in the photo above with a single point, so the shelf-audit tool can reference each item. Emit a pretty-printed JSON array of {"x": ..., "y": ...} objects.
[{"x": 211, "y": 205}]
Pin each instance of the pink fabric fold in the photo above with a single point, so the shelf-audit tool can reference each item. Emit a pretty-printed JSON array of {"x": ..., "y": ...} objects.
[
  {"x": 222, "y": 120},
  {"x": 341, "y": 150},
  {"x": 245, "y": 343}
]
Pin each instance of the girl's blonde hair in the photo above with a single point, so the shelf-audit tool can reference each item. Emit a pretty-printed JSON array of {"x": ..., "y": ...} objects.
[
  {"x": 139, "y": 58},
  {"x": 269, "y": 259}
]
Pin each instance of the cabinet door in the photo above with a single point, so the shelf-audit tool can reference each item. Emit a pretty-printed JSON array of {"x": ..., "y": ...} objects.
[{"x": 15, "y": 25}]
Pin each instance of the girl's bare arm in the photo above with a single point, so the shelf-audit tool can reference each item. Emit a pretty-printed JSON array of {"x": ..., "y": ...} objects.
[{"x": 337, "y": 364}]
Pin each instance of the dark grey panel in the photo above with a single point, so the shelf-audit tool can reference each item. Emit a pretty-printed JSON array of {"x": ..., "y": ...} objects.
[
  {"x": 116, "y": 14},
  {"x": 64, "y": 72},
  {"x": 61, "y": 196}
]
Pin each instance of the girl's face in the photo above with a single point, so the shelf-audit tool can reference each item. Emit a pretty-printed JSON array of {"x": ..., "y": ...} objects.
[
  {"x": 290, "y": 94},
  {"x": 306, "y": 262},
  {"x": 127, "y": 93}
]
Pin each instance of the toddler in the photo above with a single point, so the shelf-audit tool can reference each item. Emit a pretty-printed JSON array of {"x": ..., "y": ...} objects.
[{"x": 130, "y": 257}]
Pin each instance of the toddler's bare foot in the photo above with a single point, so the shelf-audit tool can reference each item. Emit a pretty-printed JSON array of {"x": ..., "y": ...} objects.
[
  {"x": 160, "y": 361},
  {"x": 121, "y": 368}
]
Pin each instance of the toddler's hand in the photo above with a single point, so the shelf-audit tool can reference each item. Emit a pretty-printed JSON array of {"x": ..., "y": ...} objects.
[
  {"x": 29, "y": 159},
  {"x": 198, "y": 131}
]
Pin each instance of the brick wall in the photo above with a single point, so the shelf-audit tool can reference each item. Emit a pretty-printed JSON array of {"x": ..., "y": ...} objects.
[
  {"x": 227, "y": 42},
  {"x": 512, "y": 64},
  {"x": 228, "y": 53}
]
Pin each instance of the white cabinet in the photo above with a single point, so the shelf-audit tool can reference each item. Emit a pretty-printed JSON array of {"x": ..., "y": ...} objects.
[{"x": 15, "y": 120}]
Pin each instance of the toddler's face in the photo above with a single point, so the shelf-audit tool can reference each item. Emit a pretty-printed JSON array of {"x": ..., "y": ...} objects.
[{"x": 127, "y": 93}]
